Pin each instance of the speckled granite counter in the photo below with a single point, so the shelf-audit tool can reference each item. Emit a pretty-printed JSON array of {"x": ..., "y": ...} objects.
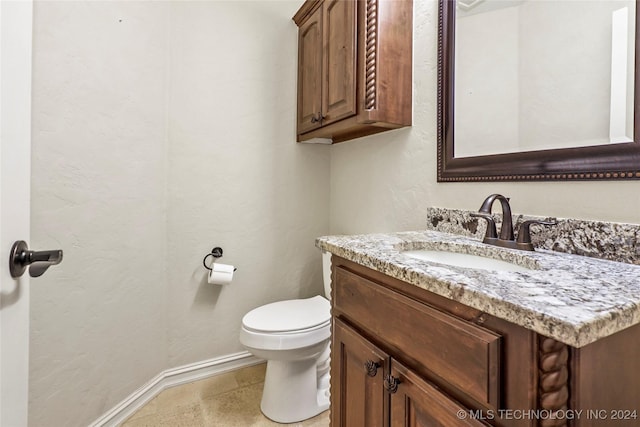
[{"x": 573, "y": 299}]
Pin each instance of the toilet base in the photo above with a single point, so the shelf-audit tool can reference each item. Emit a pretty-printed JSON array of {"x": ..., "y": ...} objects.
[{"x": 296, "y": 390}]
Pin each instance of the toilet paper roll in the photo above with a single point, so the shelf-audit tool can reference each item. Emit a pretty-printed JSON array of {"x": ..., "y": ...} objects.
[{"x": 221, "y": 274}]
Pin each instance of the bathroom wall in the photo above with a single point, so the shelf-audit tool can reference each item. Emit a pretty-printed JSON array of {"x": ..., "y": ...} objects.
[
  {"x": 160, "y": 130},
  {"x": 237, "y": 179},
  {"x": 386, "y": 182},
  {"x": 99, "y": 174}
]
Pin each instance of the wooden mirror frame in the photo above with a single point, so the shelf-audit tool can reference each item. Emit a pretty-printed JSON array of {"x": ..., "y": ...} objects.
[{"x": 601, "y": 162}]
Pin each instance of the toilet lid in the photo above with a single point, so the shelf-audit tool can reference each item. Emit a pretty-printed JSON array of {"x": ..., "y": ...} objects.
[{"x": 289, "y": 315}]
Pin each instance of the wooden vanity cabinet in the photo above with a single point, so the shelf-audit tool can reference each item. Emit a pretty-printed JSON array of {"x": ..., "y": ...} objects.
[
  {"x": 403, "y": 356},
  {"x": 354, "y": 67},
  {"x": 358, "y": 372},
  {"x": 445, "y": 360},
  {"x": 369, "y": 395},
  {"x": 418, "y": 403}
]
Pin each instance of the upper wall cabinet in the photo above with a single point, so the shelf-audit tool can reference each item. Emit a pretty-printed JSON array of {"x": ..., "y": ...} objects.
[{"x": 354, "y": 67}]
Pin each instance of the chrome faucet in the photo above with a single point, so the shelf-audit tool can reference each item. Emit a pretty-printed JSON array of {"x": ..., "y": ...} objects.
[{"x": 506, "y": 238}]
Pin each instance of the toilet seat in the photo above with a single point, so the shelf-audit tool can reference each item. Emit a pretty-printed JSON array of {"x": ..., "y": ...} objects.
[
  {"x": 288, "y": 316},
  {"x": 289, "y": 324}
]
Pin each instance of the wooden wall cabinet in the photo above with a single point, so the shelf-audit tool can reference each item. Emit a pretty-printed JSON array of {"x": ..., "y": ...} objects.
[
  {"x": 354, "y": 67},
  {"x": 405, "y": 357}
]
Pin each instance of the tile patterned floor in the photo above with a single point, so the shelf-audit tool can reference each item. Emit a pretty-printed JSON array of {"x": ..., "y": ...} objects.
[{"x": 226, "y": 400}]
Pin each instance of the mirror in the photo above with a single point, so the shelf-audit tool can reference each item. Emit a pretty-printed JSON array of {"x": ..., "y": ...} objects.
[{"x": 538, "y": 90}]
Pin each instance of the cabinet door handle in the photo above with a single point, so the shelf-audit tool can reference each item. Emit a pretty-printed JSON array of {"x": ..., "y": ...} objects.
[
  {"x": 391, "y": 383},
  {"x": 371, "y": 367}
]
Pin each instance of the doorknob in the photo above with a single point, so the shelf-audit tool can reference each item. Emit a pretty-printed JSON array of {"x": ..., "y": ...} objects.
[{"x": 39, "y": 261}]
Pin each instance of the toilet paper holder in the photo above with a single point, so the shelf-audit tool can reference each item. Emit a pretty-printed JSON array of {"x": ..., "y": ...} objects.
[{"x": 215, "y": 253}]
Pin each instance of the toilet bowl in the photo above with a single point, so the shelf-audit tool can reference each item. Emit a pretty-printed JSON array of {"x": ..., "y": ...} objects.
[{"x": 293, "y": 336}]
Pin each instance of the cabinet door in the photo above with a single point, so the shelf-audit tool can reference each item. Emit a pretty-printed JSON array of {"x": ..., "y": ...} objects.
[
  {"x": 358, "y": 398},
  {"x": 339, "y": 84},
  {"x": 310, "y": 73},
  {"x": 456, "y": 354},
  {"x": 417, "y": 403}
]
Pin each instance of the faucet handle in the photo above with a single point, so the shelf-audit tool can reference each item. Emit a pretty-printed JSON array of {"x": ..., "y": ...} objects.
[
  {"x": 524, "y": 234},
  {"x": 492, "y": 231}
]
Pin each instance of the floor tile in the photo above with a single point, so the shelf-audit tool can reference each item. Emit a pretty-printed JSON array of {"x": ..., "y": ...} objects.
[
  {"x": 251, "y": 375},
  {"x": 189, "y": 416},
  {"x": 149, "y": 408},
  {"x": 239, "y": 407},
  {"x": 215, "y": 385},
  {"x": 226, "y": 400}
]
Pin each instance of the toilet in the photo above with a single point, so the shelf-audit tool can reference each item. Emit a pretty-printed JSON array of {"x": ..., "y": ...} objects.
[{"x": 293, "y": 336}]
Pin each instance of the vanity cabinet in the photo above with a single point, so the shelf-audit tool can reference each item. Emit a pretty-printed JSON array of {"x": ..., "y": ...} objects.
[
  {"x": 354, "y": 67},
  {"x": 359, "y": 371},
  {"x": 418, "y": 403},
  {"x": 372, "y": 394},
  {"x": 403, "y": 356}
]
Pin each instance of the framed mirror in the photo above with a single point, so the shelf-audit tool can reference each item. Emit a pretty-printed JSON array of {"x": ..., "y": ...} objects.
[{"x": 538, "y": 90}]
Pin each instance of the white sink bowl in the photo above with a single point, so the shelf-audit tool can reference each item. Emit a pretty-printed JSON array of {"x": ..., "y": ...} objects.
[{"x": 465, "y": 260}]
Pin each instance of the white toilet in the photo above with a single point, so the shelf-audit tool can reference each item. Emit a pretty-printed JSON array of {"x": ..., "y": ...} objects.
[{"x": 293, "y": 336}]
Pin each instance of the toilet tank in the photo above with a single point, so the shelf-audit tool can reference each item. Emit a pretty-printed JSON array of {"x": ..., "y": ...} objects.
[{"x": 326, "y": 273}]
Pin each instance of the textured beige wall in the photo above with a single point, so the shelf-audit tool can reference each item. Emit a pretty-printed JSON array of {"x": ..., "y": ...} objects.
[
  {"x": 161, "y": 129},
  {"x": 237, "y": 178},
  {"x": 385, "y": 182},
  {"x": 98, "y": 320}
]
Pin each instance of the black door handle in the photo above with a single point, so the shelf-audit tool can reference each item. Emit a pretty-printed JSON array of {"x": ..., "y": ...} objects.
[{"x": 39, "y": 261}]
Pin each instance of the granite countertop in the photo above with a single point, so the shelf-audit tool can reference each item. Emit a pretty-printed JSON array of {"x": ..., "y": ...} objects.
[{"x": 573, "y": 299}]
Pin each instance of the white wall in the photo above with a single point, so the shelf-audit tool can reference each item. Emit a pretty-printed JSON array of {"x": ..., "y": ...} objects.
[
  {"x": 98, "y": 320},
  {"x": 385, "y": 182},
  {"x": 161, "y": 129},
  {"x": 236, "y": 177}
]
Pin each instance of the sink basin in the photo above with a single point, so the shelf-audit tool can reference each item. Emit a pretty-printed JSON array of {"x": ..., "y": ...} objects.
[{"x": 465, "y": 260}]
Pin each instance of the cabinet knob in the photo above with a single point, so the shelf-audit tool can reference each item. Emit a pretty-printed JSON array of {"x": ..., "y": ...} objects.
[
  {"x": 391, "y": 383},
  {"x": 317, "y": 118},
  {"x": 371, "y": 367}
]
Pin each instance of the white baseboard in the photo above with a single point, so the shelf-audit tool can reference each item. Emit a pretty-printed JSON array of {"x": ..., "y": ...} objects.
[{"x": 171, "y": 378}]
